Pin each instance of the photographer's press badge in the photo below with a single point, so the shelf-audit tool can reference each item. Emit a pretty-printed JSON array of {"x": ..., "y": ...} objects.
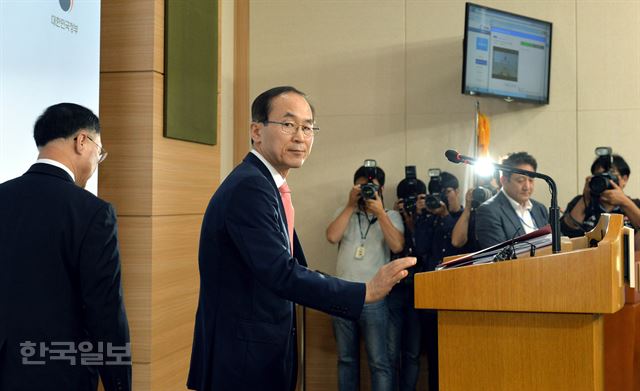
[{"x": 359, "y": 252}]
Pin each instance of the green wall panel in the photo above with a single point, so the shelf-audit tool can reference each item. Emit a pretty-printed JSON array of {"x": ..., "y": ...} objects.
[{"x": 191, "y": 70}]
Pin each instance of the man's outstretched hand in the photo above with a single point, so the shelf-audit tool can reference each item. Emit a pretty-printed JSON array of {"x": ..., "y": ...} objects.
[{"x": 386, "y": 277}]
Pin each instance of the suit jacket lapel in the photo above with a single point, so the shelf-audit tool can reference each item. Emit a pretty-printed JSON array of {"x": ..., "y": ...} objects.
[
  {"x": 538, "y": 215},
  {"x": 511, "y": 215},
  {"x": 253, "y": 160}
]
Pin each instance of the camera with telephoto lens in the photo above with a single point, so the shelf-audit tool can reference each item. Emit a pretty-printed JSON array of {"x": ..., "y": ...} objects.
[
  {"x": 411, "y": 198},
  {"x": 368, "y": 190},
  {"x": 601, "y": 182},
  {"x": 435, "y": 189},
  {"x": 480, "y": 194}
]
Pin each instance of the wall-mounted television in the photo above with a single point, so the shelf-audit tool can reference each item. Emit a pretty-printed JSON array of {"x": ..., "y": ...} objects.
[{"x": 506, "y": 55}]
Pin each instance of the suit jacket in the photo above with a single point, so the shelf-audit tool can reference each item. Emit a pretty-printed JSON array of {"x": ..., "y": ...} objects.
[
  {"x": 245, "y": 337},
  {"x": 497, "y": 221},
  {"x": 59, "y": 283}
]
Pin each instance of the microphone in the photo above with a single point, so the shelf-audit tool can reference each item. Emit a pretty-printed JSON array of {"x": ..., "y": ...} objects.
[{"x": 455, "y": 157}]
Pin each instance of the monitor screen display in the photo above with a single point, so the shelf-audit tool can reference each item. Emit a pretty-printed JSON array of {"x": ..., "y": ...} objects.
[{"x": 506, "y": 55}]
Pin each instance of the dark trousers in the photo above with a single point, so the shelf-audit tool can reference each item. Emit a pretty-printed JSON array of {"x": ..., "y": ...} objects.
[{"x": 429, "y": 320}]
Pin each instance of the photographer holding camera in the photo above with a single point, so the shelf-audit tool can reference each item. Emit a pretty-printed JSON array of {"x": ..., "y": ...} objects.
[
  {"x": 463, "y": 235},
  {"x": 404, "y": 320},
  {"x": 408, "y": 191},
  {"x": 437, "y": 214},
  {"x": 603, "y": 193},
  {"x": 365, "y": 233}
]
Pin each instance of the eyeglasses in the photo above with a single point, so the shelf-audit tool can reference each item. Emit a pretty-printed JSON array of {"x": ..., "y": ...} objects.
[
  {"x": 103, "y": 153},
  {"x": 292, "y": 128}
]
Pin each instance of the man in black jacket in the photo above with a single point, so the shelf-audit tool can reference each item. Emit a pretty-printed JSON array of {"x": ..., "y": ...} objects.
[
  {"x": 253, "y": 268},
  {"x": 62, "y": 316}
]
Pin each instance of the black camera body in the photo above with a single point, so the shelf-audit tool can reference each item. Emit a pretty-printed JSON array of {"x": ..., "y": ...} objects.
[
  {"x": 368, "y": 190},
  {"x": 434, "y": 197},
  {"x": 601, "y": 182},
  {"x": 411, "y": 198},
  {"x": 432, "y": 201},
  {"x": 410, "y": 204}
]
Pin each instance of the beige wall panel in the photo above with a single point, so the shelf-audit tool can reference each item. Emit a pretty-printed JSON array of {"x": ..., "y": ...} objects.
[
  {"x": 135, "y": 249},
  {"x": 617, "y": 129},
  {"x": 429, "y": 136},
  {"x": 435, "y": 31},
  {"x": 323, "y": 184},
  {"x": 347, "y": 55},
  {"x": 175, "y": 283},
  {"x": 185, "y": 174},
  {"x": 132, "y": 36},
  {"x": 608, "y": 54},
  {"x": 434, "y": 34},
  {"x": 126, "y": 114}
]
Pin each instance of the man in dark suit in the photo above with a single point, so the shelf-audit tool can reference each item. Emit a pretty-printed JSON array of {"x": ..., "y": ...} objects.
[
  {"x": 61, "y": 302},
  {"x": 511, "y": 212},
  {"x": 252, "y": 267}
]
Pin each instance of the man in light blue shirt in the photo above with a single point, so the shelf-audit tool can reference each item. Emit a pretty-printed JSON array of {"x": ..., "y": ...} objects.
[{"x": 365, "y": 233}]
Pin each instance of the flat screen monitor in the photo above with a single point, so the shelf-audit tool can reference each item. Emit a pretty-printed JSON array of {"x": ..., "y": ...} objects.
[{"x": 506, "y": 55}]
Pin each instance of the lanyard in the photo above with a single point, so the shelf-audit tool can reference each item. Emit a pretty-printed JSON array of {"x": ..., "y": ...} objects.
[
  {"x": 363, "y": 236},
  {"x": 525, "y": 223}
]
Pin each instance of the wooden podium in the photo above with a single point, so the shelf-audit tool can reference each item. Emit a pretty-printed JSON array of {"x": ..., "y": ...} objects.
[{"x": 532, "y": 323}]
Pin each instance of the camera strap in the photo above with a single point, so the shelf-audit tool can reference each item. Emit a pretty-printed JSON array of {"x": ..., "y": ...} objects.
[{"x": 363, "y": 235}]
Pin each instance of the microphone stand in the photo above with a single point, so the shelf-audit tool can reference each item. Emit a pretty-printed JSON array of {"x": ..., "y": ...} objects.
[{"x": 554, "y": 210}]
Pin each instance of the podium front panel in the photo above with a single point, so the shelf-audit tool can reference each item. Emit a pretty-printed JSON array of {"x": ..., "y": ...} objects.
[{"x": 506, "y": 351}]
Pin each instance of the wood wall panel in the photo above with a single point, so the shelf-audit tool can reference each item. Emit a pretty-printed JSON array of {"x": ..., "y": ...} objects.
[
  {"x": 175, "y": 282},
  {"x": 127, "y": 119},
  {"x": 141, "y": 377},
  {"x": 185, "y": 174},
  {"x": 241, "y": 98},
  {"x": 170, "y": 373},
  {"x": 321, "y": 365},
  {"x": 622, "y": 349},
  {"x": 160, "y": 188},
  {"x": 135, "y": 249},
  {"x": 132, "y": 34}
]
